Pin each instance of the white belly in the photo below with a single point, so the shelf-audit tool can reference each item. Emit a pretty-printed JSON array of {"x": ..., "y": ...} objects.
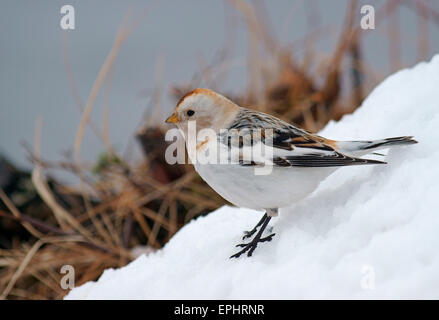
[{"x": 240, "y": 186}]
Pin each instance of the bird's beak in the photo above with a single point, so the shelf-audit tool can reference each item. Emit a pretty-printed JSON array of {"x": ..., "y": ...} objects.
[{"x": 172, "y": 119}]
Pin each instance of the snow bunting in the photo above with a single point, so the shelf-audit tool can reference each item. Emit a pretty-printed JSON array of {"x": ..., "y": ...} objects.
[{"x": 300, "y": 160}]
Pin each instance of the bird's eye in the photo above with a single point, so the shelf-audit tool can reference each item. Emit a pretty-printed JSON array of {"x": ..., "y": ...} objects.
[{"x": 190, "y": 112}]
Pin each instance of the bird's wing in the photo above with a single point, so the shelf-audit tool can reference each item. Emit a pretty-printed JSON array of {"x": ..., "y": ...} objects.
[{"x": 287, "y": 145}]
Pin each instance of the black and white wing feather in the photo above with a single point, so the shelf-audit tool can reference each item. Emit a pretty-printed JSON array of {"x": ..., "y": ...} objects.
[{"x": 291, "y": 146}]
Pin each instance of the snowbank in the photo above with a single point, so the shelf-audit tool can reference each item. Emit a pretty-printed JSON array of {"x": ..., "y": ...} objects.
[{"x": 367, "y": 232}]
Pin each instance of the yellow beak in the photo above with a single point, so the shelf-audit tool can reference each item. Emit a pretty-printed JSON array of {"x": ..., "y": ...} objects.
[{"x": 173, "y": 118}]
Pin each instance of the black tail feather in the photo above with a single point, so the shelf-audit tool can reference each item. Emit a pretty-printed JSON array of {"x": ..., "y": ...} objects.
[{"x": 390, "y": 142}]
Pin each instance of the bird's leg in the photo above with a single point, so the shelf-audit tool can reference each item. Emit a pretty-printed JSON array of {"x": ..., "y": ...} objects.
[
  {"x": 248, "y": 234},
  {"x": 251, "y": 246},
  {"x": 272, "y": 212}
]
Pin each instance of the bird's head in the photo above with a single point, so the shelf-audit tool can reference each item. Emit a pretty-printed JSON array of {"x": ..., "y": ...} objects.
[{"x": 207, "y": 108}]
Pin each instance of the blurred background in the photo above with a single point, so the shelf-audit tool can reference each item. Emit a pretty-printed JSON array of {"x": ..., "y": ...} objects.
[{"x": 82, "y": 172}]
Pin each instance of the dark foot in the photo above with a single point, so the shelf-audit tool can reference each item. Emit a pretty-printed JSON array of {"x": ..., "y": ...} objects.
[
  {"x": 248, "y": 234},
  {"x": 251, "y": 246},
  {"x": 265, "y": 239}
]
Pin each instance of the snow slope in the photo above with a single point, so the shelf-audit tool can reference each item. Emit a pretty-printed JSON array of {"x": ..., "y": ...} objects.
[{"x": 367, "y": 232}]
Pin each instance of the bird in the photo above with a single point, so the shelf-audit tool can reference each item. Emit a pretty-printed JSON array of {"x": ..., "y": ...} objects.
[{"x": 299, "y": 160}]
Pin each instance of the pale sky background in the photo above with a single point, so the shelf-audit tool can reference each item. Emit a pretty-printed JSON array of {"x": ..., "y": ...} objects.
[{"x": 33, "y": 81}]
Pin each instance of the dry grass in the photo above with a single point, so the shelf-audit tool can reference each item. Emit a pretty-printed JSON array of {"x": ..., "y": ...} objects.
[{"x": 120, "y": 206}]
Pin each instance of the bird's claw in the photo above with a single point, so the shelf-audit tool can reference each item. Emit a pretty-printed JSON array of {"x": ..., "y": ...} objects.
[
  {"x": 251, "y": 246},
  {"x": 267, "y": 238},
  {"x": 248, "y": 234}
]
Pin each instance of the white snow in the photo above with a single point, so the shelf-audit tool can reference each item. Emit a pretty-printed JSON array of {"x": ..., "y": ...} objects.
[{"x": 367, "y": 232}]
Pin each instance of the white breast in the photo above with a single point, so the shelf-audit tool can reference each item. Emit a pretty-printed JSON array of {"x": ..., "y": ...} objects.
[{"x": 240, "y": 186}]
